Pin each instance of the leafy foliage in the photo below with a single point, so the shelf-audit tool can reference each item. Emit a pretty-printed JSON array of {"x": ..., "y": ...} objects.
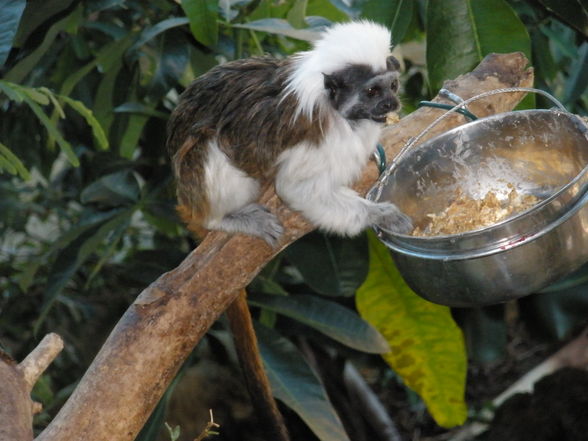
[
  {"x": 87, "y": 204},
  {"x": 426, "y": 346}
]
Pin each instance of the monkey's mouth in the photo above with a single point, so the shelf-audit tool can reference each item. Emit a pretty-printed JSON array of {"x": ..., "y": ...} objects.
[
  {"x": 388, "y": 118},
  {"x": 379, "y": 118}
]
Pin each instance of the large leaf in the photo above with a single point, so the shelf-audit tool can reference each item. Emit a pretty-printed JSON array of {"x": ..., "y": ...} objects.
[
  {"x": 203, "y": 16},
  {"x": 328, "y": 317},
  {"x": 70, "y": 258},
  {"x": 578, "y": 79},
  {"x": 140, "y": 109},
  {"x": 560, "y": 308},
  {"x": 104, "y": 98},
  {"x": 36, "y": 13},
  {"x": 9, "y": 19},
  {"x": 461, "y": 32},
  {"x": 330, "y": 265},
  {"x": 428, "y": 350},
  {"x": 297, "y": 14},
  {"x": 325, "y": 9},
  {"x": 149, "y": 33},
  {"x": 24, "y": 66},
  {"x": 113, "y": 189},
  {"x": 485, "y": 332},
  {"x": 295, "y": 384},
  {"x": 573, "y": 12},
  {"x": 171, "y": 64},
  {"x": 280, "y": 27},
  {"x": 394, "y": 14}
]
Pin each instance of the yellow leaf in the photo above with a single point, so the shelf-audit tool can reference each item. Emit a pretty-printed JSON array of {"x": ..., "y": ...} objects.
[{"x": 427, "y": 347}]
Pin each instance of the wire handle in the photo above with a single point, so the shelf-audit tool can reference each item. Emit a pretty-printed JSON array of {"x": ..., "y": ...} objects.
[{"x": 463, "y": 104}]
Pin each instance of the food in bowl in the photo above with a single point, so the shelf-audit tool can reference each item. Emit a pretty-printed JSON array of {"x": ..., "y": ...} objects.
[{"x": 467, "y": 214}]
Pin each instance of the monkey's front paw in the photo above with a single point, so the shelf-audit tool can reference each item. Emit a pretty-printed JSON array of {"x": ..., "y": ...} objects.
[{"x": 391, "y": 218}]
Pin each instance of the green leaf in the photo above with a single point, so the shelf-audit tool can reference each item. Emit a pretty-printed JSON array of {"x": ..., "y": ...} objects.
[
  {"x": 118, "y": 188},
  {"x": 37, "y": 13},
  {"x": 330, "y": 265},
  {"x": 203, "y": 16},
  {"x": 578, "y": 79},
  {"x": 132, "y": 134},
  {"x": 38, "y": 97},
  {"x": 152, "y": 32},
  {"x": 330, "y": 318},
  {"x": 54, "y": 132},
  {"x": 297, "y": 14},
  {"x": 462, "y": 32},
  {"x": 296, "y": 385},
  {"x": 428, "y": 350},
  {"x": 279, "y": 26},
  {"x": 72, "y": 257},
  {"x": 558, "y": 310},
  {"x": 56, "y": 104},
  {"x": 396, "y": 15},
  {"x": 572, "y": 12},
  {"x": 9, "y": 19},
  {"x": 21, "y": 70},
  {"x": 485, "y": 332},
  {"x": 103, "y": 99},
  {"x": 87, "y": 114},
  {"x": 326, "y": 9},
  {"x": 543, "y": 61},
  {"x": 14, "y": 162},
  {"x": 140, "y": 109},
  {"x": 172, "y": 60},
  {"x": 7, "y": 166},
  {"x": 13, "y": 91}
]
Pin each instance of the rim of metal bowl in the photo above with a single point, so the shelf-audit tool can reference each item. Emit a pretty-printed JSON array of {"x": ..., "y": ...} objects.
[{"x": 408, "y": 244}]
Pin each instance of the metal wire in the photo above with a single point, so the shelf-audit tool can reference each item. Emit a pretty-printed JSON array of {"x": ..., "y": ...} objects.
[{"x": 411, "y": 142}]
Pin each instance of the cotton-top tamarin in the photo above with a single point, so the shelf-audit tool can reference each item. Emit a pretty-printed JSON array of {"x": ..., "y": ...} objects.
[{"x": 308, "y": 122}]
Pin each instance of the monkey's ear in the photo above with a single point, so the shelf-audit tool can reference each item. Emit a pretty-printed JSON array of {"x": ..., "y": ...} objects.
[
  {"x": 392, "y": 63},
  {"x": 332, "y": 84}
]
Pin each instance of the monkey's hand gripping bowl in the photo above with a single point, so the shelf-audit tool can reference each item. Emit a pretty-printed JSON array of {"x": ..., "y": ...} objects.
[{"x": 543, "y": 153}]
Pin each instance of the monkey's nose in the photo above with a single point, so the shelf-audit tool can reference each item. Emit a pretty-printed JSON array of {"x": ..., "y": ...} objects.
[{"x": 385, "y": 106}]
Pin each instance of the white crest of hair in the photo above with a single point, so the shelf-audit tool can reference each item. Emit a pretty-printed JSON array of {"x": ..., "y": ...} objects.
[{"x": 344, "y": 44}]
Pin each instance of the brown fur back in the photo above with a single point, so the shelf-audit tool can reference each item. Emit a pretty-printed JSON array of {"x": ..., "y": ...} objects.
[{"x": 243, "y": 106}]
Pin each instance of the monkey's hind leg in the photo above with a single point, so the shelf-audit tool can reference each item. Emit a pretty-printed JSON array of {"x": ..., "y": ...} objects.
[
  {"x": 253, "y": 219},
  {"x": 231, "y": 194}
]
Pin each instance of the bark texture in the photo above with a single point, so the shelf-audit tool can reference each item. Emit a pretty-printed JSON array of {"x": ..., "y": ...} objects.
[
  {"x": 16, "y": 382},
  {"x": 152, "y": 339}
]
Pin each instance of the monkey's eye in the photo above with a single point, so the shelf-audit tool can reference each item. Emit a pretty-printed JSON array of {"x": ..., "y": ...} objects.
[{"x": 372, "y": 92}]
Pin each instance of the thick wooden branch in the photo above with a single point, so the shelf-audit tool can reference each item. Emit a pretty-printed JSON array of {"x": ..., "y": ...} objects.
[
  {"x": 16, "y": 382},
  {"x": 158, "y": 331}
]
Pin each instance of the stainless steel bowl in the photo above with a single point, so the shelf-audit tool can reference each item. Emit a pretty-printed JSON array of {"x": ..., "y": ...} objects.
[{"x": 540, "y": 152}]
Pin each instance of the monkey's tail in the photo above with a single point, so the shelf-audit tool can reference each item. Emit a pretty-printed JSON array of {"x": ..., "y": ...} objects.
[{"x": 252, "y": 365}]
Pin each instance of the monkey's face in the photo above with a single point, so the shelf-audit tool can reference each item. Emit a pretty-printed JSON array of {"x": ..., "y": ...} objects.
[{"x": 357, "y": 92}]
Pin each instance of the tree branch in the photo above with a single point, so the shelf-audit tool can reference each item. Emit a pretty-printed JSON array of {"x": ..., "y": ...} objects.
[
  {"x": 39, "y": 360},
  {"x": 158, "y": 331},
  {"x": 16, "y": 407}
]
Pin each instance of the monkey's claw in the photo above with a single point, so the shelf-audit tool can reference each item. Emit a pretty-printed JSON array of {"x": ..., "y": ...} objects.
[
  {"x": 256, "y": 220},
  {"x": 394, "y": 220}
]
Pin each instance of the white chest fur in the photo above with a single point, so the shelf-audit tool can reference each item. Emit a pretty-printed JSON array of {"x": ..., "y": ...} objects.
[{"x": 338, "y": 161}]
